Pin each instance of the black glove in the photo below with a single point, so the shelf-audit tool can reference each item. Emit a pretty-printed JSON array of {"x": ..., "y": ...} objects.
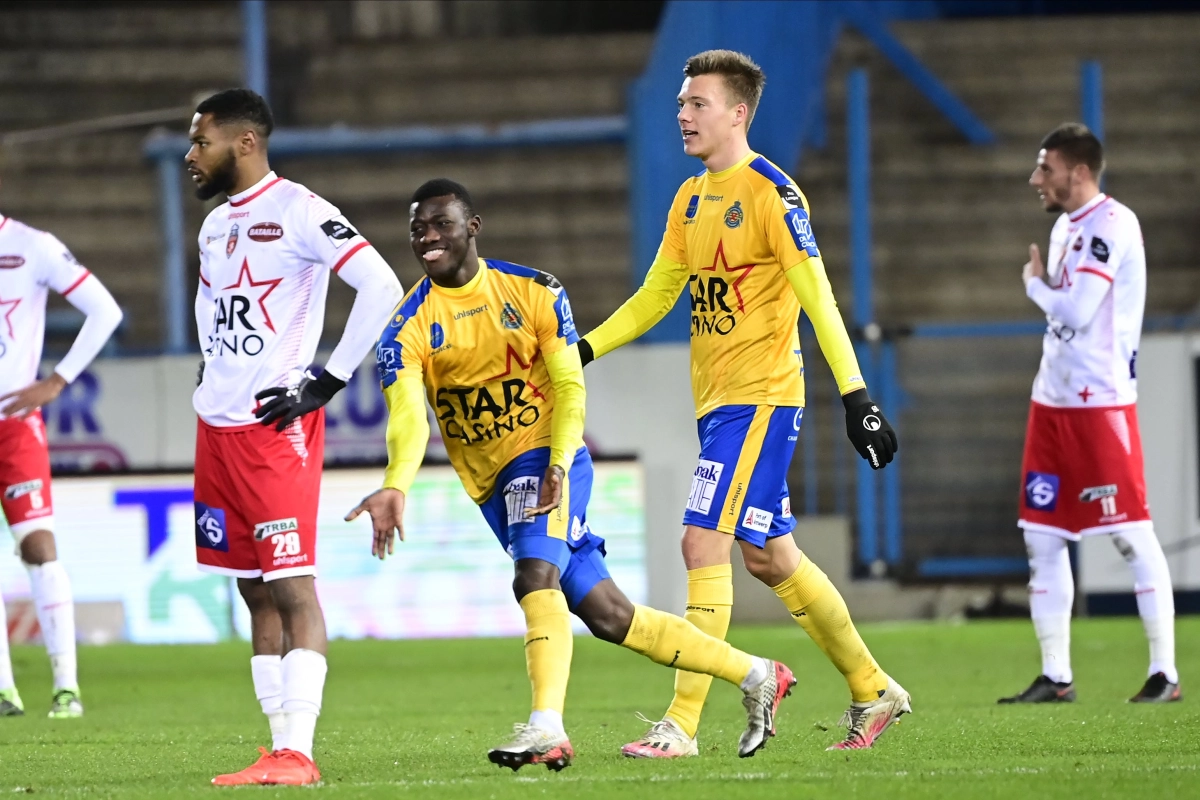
[
  {"x": 585, "y": 352},
  {"x": 869, "y": 430},
  {"x": 200, "y": 373},
  {"x": 288, "y": 404}
]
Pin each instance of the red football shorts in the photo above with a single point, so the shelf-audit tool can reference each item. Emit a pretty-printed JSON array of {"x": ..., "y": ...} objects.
[
  {"x": 25, "y": 475},
  {"x": 1082, "y": 471},
  {"x": 256, "y": 498}
]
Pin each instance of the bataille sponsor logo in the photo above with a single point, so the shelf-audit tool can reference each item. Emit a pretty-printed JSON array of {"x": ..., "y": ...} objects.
[
  {"x": 11, "y": 262},
  {"x": 265, "y": 232}
]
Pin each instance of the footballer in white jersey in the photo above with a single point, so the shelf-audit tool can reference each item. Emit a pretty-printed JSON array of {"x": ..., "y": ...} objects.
[
  {"x": 32, "y": 263},
  {"x": 265, "y": 260},
  {"x": 1082, "y": 471}
]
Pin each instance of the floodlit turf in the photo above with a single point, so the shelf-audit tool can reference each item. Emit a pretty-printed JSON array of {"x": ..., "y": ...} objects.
[{"x": 414, "y": 719}]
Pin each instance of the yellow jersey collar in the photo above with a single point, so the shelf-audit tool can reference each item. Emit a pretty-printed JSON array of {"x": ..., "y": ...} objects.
[
  {"x": 471, "y": 286},
  {"x": 728, "y": 172}
]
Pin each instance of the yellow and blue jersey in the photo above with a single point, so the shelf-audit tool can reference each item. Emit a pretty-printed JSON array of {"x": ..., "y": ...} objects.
[{"x": 481, "y": 351}]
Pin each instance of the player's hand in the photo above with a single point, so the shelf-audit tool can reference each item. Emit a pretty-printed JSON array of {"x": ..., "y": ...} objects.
[
  {"x": 550, "y": 497},
  {"x": 286, "y": 405},
  {"x": 1033, "y": 267},
  {"x": 869, "y": 430},
  {"x": 386, "y": 509},
  {"x": 200, "y": 373},
  {"x": 586, "y": 356},
  {"x": 32, "y": 397}
]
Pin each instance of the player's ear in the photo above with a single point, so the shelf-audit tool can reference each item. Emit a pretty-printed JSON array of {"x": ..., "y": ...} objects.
[
  {"x": 474, "y": 225},
  {"x": 247, "y": 141}
]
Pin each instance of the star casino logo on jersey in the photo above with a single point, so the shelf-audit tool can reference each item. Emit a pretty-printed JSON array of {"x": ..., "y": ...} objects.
[
  {"x": 232, "y": 331},
  {"x": 486, "y": 413},
  {"x": 734, "y": 216}
]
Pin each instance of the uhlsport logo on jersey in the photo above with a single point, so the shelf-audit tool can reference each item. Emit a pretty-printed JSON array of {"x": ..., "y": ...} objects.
[
  {"x": 734, "y": 215},
  {"x": 757, "y": 520},
  {"x": 210, "y": 528},
  {"x": 510, "y": 317},
  {"x": 1041, "y": 491},
  {"x": 704, "y": 486},
  {"x": 264, "y": 529}
]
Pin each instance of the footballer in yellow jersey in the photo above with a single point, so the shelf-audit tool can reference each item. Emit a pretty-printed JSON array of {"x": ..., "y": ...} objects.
[
  {"x": 491, "y": 346},
  {"x": 740, "y": 242}
]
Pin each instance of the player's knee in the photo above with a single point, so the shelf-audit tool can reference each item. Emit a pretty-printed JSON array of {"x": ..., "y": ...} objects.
[
  {"x": 256, "y": 594},
  {"x": 294, "y": 596},
  {"x": 37, "y": 548},
  {"x": 534, "y": 575},
  {"x": 607, "y": 612}
]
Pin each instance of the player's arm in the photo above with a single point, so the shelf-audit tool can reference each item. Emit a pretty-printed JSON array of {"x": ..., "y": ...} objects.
[
  {"x": 558, "y": 342},
  {"x": 1075, "y": 307},
  {"x": 377, "y": 291},
  {"x": 63, "y": 274},
  {"x": 657, "y": 294},
  {"x": 399, "y": 367},
  {"x": 206, "y": 307},
  {"x": 649, "y": 304},
  {"x": 790, "y": 235}
]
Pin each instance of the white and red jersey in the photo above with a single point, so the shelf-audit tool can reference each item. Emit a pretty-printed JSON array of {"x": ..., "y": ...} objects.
[
  {"x": 265, "y": 260},
  {"x": 32, "y": 262},
  {"x": 1094, "y": 298}
]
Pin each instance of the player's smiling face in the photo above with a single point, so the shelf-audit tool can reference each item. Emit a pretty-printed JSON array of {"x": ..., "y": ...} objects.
[
  {"x": 1053, "y": 181},
  {"x": 211, "y": 161},
  {"x": 706, "y": 117},
  {"x": 442, "y": 236}
]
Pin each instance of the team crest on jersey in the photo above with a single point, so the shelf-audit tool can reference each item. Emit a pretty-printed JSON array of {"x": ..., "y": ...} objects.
[
  {"x": 1078, "y": 244},
  {"x": 11, "y": 262},
  {"x": 734, "y": 216},
  {"x": 693, "y": 204},
  {"x": 510, "y": 317},
  {"x": 232, "y": 241}
]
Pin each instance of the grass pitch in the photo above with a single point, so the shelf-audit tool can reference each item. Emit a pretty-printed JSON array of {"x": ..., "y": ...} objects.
[{"x": 415, "y": 719}]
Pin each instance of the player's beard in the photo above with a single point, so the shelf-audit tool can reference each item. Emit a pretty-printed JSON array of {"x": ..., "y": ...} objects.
[
  {"x": 221, "y": 178},
  {"x": 1056, "y": 198}
]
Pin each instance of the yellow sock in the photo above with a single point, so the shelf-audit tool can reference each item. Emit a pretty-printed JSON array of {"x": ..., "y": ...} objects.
[
  {"x": 674, "y": 642},
  {"x": 818, "y": 607},
  {"x": 709, "y": 604},
  {"x": 548, "y": 646}
]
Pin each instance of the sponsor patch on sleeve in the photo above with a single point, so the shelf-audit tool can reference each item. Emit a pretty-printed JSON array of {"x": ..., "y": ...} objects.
[
  {"x": 338, "y": 230},
  {"x": 388, "y": 362},
  {"x": 790, "y": 196},
  {"x": 801, "y": 230},
  {"x": 1100, "y": 250},
  {"x": 566, "y": 319}
]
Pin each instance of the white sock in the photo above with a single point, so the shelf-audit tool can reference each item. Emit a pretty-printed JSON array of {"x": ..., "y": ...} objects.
[
  {"x": 548, "y": 720},
  {"x": 1051, "y": 595},
  {"x": 268, "y": 688},
  {"x": 759, "y": 669},
  {"x": 1155, "y": 597},
  {"x": 56, "y": 615},
  {"x": 303, "y": 684},
  {"x": 6, "y": 674}
]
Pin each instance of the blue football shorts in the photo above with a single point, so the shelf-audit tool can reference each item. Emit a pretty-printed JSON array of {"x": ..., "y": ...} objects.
[
  {"x": 561, "y": 537},
  {"x": 740, "y": 485}
]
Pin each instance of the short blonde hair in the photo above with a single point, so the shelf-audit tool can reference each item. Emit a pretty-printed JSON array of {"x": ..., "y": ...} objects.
[{"x": 743, "y": 78}]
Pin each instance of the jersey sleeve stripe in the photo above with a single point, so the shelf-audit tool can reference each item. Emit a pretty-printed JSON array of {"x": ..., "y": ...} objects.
[
  {"x": 341, "y": 261},
  {"x": 1094, "y": 271},
  {"x": 3, "y": 222},
  {"x": 204, "y": 280},
  {"x": 75, "y": 285},
  {"x": 769, "y": 171},
  {"x": 511, "y": 269}
]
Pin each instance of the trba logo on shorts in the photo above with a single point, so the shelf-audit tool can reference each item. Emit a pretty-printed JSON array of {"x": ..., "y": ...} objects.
[
  {"x": 264, "y": 529},
  {"x": 22, "y": 489},
  {"x": 758, "y": 520},
  {"x": 210, "y": 528},
  {"x": 704, "y": 486},
  {"x": 520, "y": 494},
  {"x": 1041, "y": 491}
]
